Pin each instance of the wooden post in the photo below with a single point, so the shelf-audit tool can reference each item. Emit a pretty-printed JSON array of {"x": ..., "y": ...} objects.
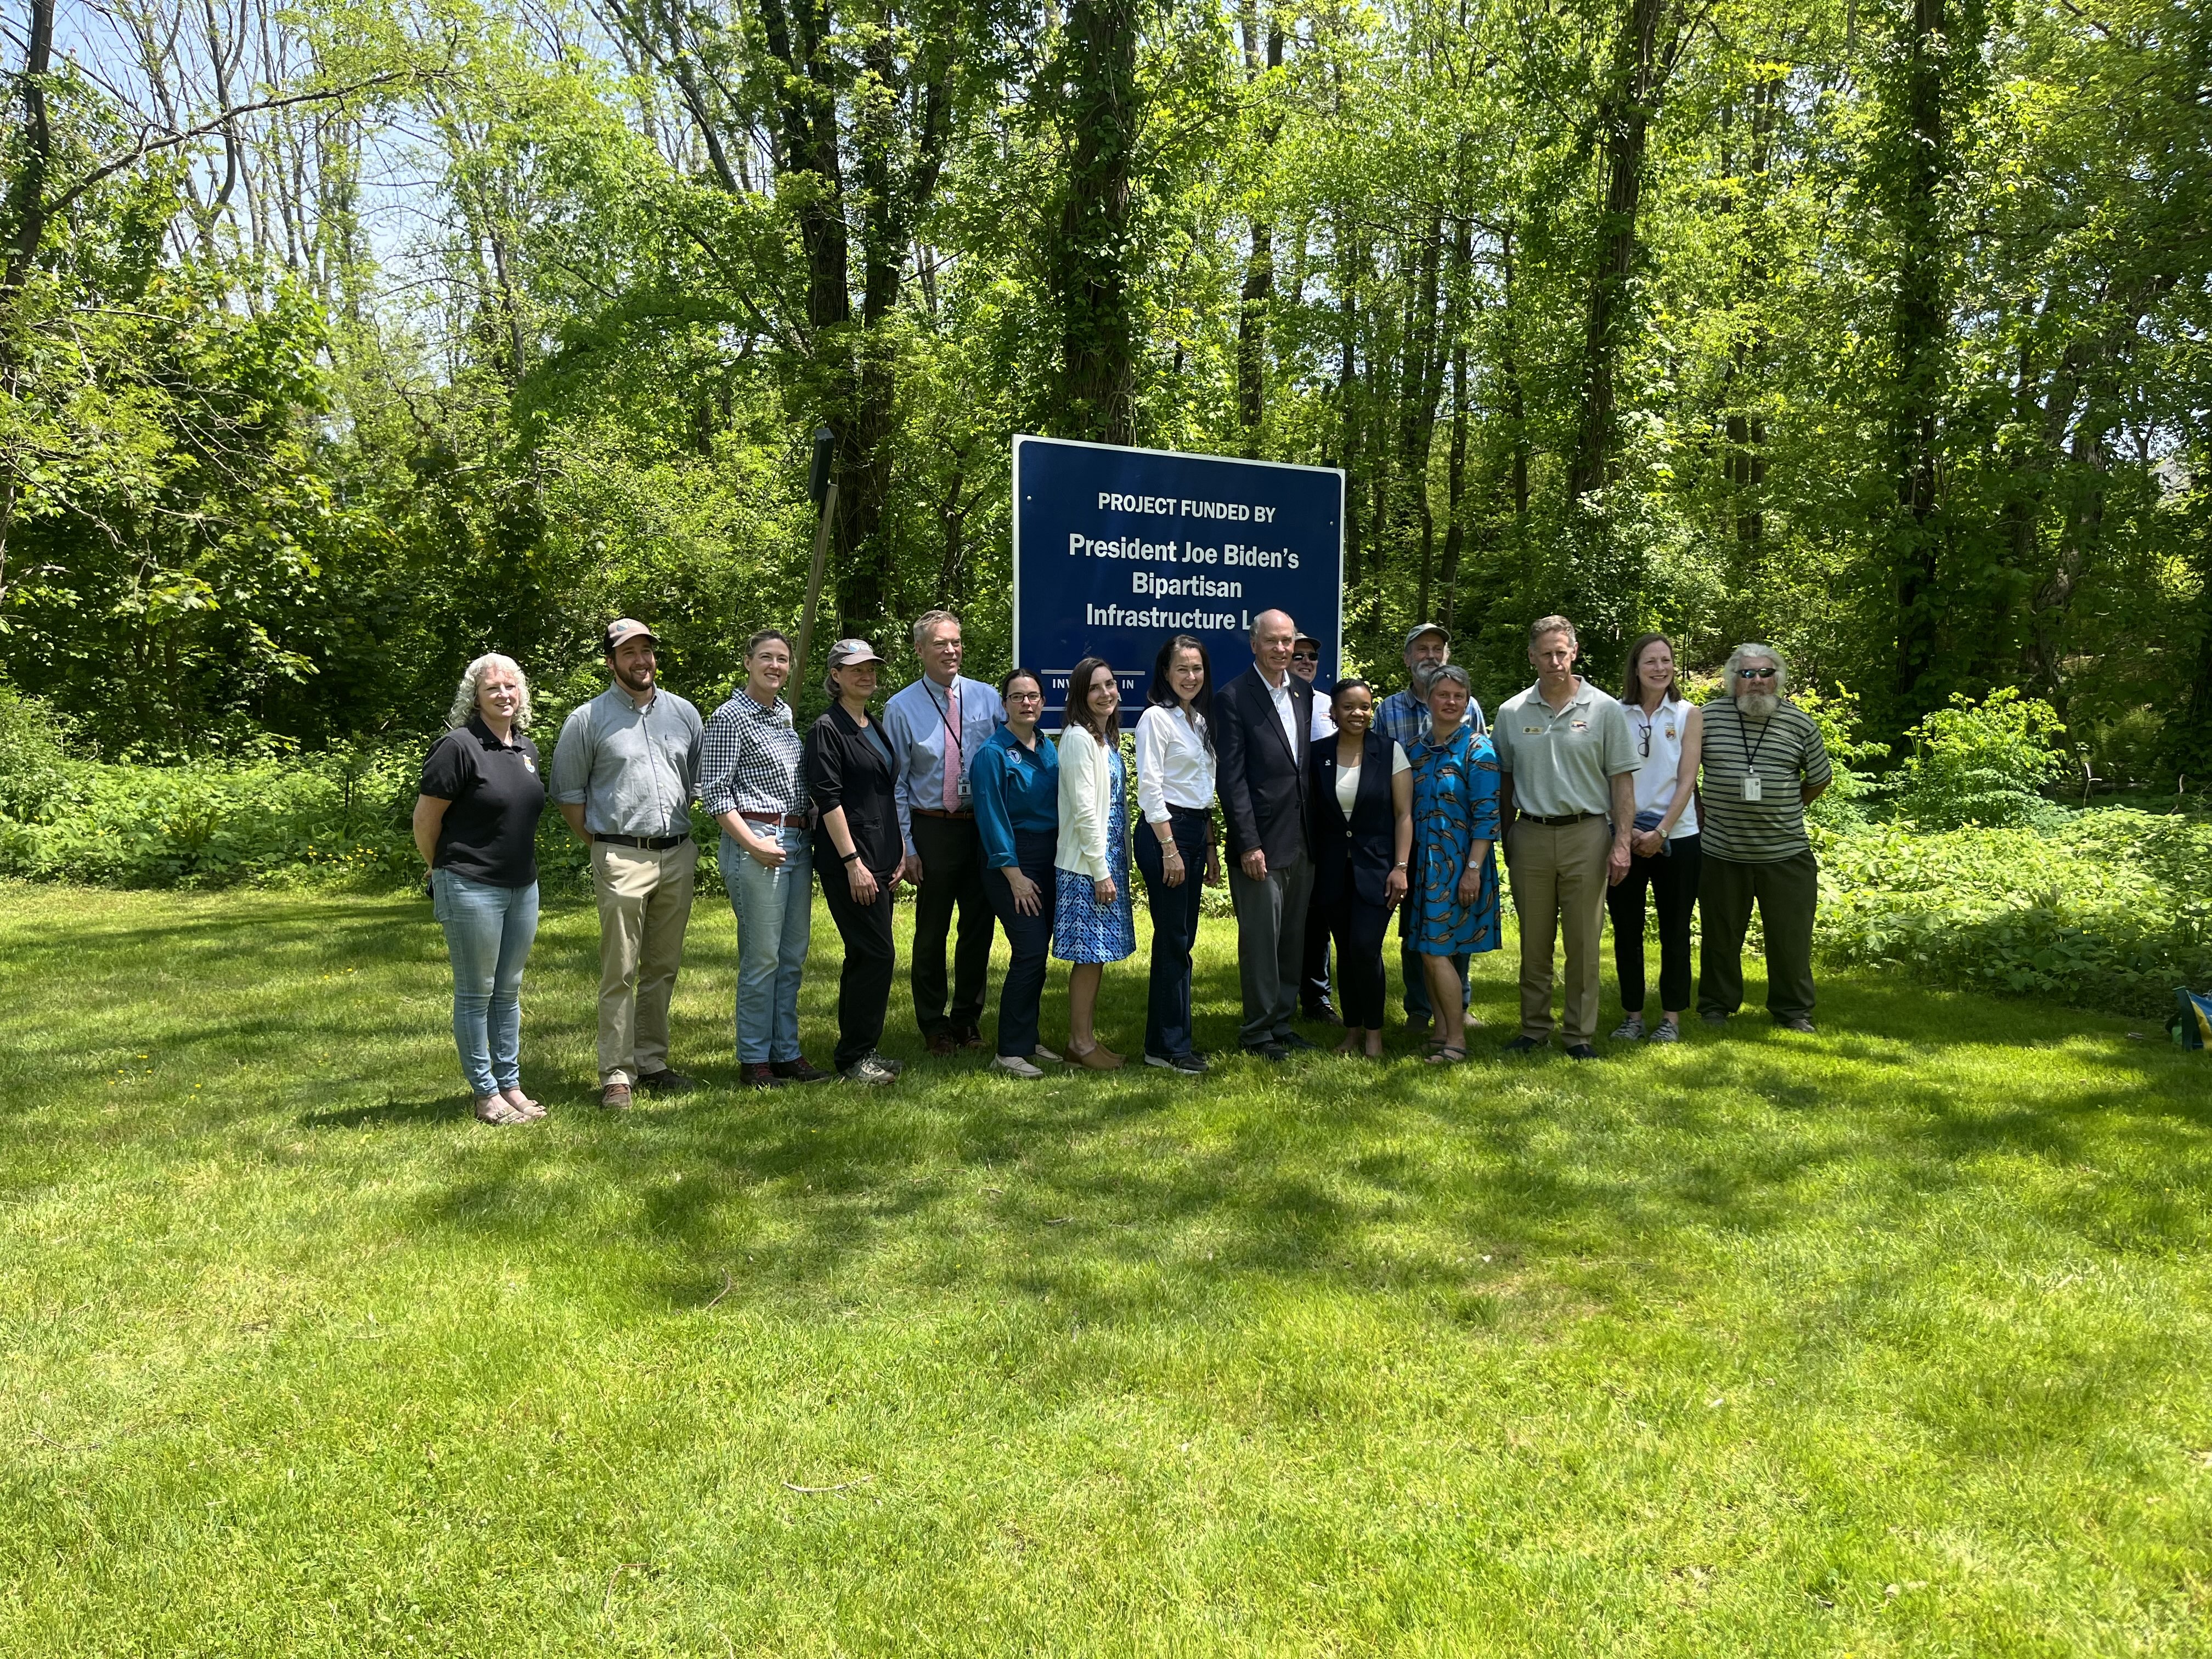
[{"x": 814, "y": 584}]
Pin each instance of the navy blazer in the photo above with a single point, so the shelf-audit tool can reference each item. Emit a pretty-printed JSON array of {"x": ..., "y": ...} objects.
[
  {"x": 1358, "y": 851},
  {"x": 1260, "y": 777}
]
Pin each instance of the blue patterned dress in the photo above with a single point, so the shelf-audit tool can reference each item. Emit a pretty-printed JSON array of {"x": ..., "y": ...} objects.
[
  {"x": 1454, "y": 805},
  {"x": 1084, "y": 930}
]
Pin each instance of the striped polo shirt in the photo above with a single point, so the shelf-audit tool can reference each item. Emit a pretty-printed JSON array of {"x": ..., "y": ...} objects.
[{"x": 1785, "y": 751}]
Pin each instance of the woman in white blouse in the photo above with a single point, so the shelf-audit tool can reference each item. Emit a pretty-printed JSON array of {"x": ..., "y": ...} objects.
[
  {"x": 1360, "y": 806},
  {"x": 1093, "y": 920},
  {"x": 1174, "y": 797}
]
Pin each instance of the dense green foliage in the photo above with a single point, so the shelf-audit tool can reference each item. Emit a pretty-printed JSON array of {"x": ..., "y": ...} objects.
[
  {"x": 1876, "y": 332},
  {"x": 1894, "y": 1340}
]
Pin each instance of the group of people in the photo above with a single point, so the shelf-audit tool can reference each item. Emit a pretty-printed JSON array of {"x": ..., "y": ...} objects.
[{"x": 1337, "y": 811}]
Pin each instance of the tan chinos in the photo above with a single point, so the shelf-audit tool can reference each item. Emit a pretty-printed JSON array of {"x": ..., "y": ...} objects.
[
  {"x": 645, "y": 903},
  {"x": 1558, "y": 874}
]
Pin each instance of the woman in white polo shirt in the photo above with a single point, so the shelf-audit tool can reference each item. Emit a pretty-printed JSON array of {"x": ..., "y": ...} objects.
[{"x": 1663, "y": 845}]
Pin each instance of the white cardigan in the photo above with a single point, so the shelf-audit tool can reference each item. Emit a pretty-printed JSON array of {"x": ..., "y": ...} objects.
[{"x": 1086, "y": 800}]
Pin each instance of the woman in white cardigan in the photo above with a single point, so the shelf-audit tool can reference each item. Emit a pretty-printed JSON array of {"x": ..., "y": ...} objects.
[{"x": 1094, "y": 920}]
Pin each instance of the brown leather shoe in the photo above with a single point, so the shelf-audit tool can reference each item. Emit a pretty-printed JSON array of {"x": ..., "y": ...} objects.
[
  {"x": 971, "y": 1037},
  {"x": 944, "y": 1045},
  {"x": 1098, "y": 1058},
  {"x": 615, "y": 1097}
]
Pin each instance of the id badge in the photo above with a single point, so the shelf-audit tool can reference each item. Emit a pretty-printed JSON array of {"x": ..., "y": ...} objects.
[
  {"x": 962, "y": 789},
  {"x": 1752, "y": 787}
]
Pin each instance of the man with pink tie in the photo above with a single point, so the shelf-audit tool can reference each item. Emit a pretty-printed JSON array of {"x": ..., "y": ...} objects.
[{"x": 936, "y": 728}]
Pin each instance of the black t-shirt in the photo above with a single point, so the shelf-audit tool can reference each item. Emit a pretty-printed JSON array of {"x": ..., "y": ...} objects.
[{"x": 490, "y": 830}]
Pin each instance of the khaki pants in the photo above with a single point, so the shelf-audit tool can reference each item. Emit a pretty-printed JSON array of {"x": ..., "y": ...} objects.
[
  {"x": 1559, "y": 887},
  {"x": 645, "y": 903}
]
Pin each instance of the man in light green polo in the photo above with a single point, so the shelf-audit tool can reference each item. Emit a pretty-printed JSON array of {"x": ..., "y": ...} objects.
[{"x": 1568, "y": 805}]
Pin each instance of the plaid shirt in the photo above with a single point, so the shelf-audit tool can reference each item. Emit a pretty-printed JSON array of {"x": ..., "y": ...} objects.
[
  {"x": 1406, "y": 722},
  {"x": 750, "y": 760}
]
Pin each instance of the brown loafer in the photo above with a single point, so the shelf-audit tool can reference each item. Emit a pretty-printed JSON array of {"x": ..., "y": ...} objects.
[
  {"x": 615, "y": 1097},
  {"x": 1098, "y": 1058}
]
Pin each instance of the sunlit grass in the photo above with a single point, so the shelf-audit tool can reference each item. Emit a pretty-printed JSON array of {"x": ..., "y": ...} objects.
[{"x": 1892, "y": 1340}]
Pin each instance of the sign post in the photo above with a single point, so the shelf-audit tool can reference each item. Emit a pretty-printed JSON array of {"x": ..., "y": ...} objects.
[{"x": 1115, "y": 549}]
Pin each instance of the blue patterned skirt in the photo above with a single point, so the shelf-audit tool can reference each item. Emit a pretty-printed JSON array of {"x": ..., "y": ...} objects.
[{"x": 1084, "y": 930}]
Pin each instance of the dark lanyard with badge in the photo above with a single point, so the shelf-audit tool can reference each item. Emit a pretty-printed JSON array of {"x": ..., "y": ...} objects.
[
  {"x": 1754, "y": 790},
  {"x": 966, "y": 796}
]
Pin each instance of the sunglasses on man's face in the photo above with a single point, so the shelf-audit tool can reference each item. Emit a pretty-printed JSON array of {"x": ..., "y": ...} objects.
[
  {"x": 1754, "y": 673},
  {"x": 1305, "y": 656}
]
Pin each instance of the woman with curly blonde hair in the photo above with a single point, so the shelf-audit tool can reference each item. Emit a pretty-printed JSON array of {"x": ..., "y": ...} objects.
[{"x": 475, "y": 825}]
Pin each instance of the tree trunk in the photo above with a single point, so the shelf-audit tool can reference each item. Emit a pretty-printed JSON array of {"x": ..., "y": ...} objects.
[
  {"x": 1260, "y": 268},
  {"x": 1624, "y": 115},
  {"x": 1088, "y": 260},
  {"x": 1919, "y": 329}
]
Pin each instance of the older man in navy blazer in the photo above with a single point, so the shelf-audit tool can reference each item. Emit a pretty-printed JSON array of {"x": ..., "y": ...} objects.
[{"x": 1263, "y": 722}]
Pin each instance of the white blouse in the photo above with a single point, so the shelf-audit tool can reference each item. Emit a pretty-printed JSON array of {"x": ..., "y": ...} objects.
[
  {"x": 1659, "y": 736},
  {"x": 1173, "y": 766},
  {"x": 1347, "y": 777}
]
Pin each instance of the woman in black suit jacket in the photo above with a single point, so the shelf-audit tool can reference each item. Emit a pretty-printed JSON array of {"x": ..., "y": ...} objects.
[{"x": 1361, "y": 805}]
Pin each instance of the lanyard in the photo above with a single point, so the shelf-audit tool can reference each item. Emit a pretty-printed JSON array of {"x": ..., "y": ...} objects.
[
  {"x": 1750, "y": 750},
  {"x": 944, "y": 712}
]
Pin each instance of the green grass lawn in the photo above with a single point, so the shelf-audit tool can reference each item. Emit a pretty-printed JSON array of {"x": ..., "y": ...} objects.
[{"x": 1891, "y": 1340}]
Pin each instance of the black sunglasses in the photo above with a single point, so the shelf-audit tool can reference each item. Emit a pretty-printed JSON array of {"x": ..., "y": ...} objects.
[{"x": 1754, "y": 673}]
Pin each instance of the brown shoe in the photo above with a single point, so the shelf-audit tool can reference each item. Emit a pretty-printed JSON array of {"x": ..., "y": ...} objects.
[
  {"x": 759, "y": 1074},
  {"x": 615, "y": 1097},
  {"x": 943, "y": 1046},
  {"x": 1098, "y": 1058},
  {"x": 971, "y": 1038},
  {"x": 522, "y": 1103}
]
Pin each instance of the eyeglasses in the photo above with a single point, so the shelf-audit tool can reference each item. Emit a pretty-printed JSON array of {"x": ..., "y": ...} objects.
[
  {"x": 1305, "y": 656},
  {"x": 1644, "y": 741},
  {"x": 1024, "y": 696},
  {"x": 1754, "y": 673}
]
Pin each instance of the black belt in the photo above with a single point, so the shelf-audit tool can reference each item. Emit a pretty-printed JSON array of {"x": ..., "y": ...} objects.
[
  {"x": 940, "y": 812},
  {"x": 1562, "y": 820},
  {"x": 644, "y": 843},
  {"x": 1189, "y": 812}
]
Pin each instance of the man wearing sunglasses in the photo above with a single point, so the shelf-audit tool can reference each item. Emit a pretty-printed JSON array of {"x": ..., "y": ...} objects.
[{"x": 1764, "y": 764}]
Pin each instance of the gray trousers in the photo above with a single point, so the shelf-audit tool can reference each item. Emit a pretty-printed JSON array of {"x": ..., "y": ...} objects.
[{"x": 1271, "y": 943}]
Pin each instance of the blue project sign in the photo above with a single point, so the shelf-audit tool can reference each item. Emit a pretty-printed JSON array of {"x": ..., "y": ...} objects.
[{"x": 1116, "y": 549}]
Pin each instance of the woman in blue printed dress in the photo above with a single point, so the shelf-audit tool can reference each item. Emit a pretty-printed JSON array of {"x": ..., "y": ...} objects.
[
  {"x": 1454, "y": 889},
  {"x": 1094, "y": 918}
]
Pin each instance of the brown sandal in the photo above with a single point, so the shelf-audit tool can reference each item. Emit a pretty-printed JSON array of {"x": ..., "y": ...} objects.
[
  {"x": 494, "y": 1108},
  {"x": 522, "y": 1103}
]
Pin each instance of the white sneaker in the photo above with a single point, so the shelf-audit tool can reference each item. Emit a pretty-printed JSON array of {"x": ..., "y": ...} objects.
[
  {"x": 1014, "y": 1065},
  {"x": 1042, "y": 1053}
]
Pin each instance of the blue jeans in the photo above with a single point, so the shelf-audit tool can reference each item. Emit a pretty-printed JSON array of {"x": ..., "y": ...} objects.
[
  {"x": 488, "y": 933},
  {"x": 774, "y": 909}
]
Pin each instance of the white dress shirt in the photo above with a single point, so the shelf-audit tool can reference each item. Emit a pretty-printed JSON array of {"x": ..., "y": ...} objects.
[
  {"x": 1173, "y": 766},
  {"x": 1286, "y": 709}
]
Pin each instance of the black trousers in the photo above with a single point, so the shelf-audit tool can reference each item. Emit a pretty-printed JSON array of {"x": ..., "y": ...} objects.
[
  {"x": 1357, "y": 928},
  {"x": 1029, "y": 937},
  {"x": 1674, "y": 883},
  {"x": 951, "y": 874},
  {"x": 1788, "y": 893},
  {"x": 1174, "y": 929},
  {"x": 863, "y": 987},
  {"x": 1312, "y": 980}
]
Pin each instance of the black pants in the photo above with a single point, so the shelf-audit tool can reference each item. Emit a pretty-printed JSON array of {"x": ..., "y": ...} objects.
[
  {"x": 951, "y": 873},
  {"x": 1674, "y": 883},
  {"x": 1029, "y": 937},
  {"x": 1788, "y": 893},
  {"x": 1312, "y": 982},
  {"x": 1174, "y": 929},
  {"x": 864, "y": 988},
  {"x": 1357, "y": 928}
]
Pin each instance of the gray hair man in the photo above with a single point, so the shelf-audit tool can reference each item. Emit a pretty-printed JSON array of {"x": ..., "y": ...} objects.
[
  {"x": 625, "y": 773},
  {"x": 936, "y": 727},
  {"x": 1569, "y": 770},
  {"x": 1764, "y": 763},
  {"x": 1262, "y": 728}
]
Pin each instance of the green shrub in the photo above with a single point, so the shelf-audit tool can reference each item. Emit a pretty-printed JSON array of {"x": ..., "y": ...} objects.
[
  {"x": 2109, "y": 909},
  {"x": 34, "y": 764},
  {"x": 1982, "y": 763}
]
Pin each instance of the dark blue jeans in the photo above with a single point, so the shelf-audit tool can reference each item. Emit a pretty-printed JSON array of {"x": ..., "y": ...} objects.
[
  {"x": 1174, "y": 929},
  {"x": 1029, "y": 939}
]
